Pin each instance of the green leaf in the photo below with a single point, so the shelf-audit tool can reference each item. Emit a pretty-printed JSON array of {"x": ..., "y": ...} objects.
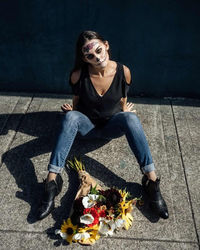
[
  {"x": 93, "y": 190},
  {"x": 101, "y": 198}
]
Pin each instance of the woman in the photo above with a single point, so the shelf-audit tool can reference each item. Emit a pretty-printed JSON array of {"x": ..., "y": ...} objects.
[{"x": 100, "y": 110}]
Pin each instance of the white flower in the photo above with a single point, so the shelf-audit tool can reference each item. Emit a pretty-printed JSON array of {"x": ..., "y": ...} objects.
[
  {"x": 119, "y": 223},
  {"x": 87, "y": 219},
  {"x": 81, "y": 236},
  {"x": 63, "y": 235},
  {"x": 107, "y": 227},
  {"x": 89, "y": 201}
]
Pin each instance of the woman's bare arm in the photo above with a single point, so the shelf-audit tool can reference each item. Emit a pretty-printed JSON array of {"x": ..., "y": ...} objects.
[
  {"x": 127, "y": 106},
  {"x": 67, "y": 107},
  {"x": 75, "y": 102},
  {"x": 74, "y": 79}
]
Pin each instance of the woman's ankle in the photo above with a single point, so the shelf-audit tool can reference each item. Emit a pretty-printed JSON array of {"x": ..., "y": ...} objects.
[
  {"x": 51, "y": 176},
  {"x": 151, "y": 175}
]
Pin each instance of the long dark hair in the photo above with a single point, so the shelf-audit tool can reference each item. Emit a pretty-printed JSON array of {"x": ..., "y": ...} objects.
[{"x": 84, "y": 37}]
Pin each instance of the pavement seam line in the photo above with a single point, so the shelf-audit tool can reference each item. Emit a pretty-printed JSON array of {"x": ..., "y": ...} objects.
[
  {"x": 20, "y": 121},
  {"x": 115, "y": 237},
  {"x": 184, "y": 171},
  {"x": 155, "y": 240},
  {"x": 168, "y": 161}
]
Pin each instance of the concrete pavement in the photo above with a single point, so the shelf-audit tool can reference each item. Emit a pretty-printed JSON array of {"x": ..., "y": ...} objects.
[{"x": 28, "y": 126}]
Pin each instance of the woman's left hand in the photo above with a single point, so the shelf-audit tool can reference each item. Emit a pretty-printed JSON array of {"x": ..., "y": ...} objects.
[
  {"x": 66, "y": 107},
  {"x": 129, "y": 107}
]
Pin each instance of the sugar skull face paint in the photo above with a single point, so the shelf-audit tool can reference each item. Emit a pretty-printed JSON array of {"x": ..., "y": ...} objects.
[
  {"x": 88, "y": 47},
  {"x": 96, "y": 53}
]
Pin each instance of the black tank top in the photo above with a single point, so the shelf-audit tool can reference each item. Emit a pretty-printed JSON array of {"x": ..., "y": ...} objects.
[{"x": 99, "y": 109}]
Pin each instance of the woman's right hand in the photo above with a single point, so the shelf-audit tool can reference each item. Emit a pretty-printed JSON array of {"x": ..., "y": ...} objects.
[
  {"x": 129, "y": 107},
  {"x": 66, "y": 107}
]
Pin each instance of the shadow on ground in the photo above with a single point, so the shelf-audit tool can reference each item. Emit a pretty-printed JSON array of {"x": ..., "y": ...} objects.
[{"x": 45, "y": 126}]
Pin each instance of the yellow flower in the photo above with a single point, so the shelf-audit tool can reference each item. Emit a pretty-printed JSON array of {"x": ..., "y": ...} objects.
[
  {"x": 94, "y": 235},
  {"x": 123, "y": 194},
  {"x": 69, "y": 229},
  {"x": 88, "y": 229},
  {"x": 125, "y": 210},
  {"x": 128, "y": 220}
]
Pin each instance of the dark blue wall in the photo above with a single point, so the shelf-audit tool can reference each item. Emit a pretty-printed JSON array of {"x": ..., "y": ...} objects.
[{"x": 158, "y": 40}]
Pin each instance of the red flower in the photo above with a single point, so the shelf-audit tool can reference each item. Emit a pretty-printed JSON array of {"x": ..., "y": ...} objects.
[
  {"x": 102, "y": 213},
  {"x": 94, "y": 213}
]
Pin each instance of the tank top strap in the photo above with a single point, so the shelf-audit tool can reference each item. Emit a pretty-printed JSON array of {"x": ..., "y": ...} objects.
[
  {"x": 120, "y": 66},
  {"x": 121, "y": 70}
]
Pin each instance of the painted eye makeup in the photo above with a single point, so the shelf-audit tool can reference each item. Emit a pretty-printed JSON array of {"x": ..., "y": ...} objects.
[
  {"x": 98, "y": 51},
  {"x": 90, "y": 56}
]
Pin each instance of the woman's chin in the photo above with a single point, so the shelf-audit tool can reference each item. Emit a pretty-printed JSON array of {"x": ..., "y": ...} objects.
[{"x": 102, "y": 65}]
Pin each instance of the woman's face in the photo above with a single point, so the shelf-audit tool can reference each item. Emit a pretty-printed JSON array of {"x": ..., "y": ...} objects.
[{"x": 95, "y": 52}]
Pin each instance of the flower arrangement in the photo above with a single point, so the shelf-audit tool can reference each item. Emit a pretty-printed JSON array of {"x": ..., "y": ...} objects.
[{"x": 96, "y": 212}]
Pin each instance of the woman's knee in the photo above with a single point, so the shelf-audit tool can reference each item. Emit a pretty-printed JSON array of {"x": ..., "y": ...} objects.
[
  {"x": 71, "y": 119},
  {"x": 130, "y": 119},
  {"x": 72, "y": 116}
]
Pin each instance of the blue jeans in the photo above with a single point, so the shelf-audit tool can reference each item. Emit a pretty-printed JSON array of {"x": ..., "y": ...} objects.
[{"x": 122, "y": 123}]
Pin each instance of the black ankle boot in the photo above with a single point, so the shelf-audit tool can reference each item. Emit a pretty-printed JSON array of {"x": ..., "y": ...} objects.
[
  {"x": 52, "y": 189},
  {"x": 157, "y": 203}
]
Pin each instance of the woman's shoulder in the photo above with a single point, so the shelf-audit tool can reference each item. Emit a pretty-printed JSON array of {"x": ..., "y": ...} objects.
[
  {"x": 75, "y": 76},
  {"x": 125, "y": 68},
  {"x": 127, "y": 74}
]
